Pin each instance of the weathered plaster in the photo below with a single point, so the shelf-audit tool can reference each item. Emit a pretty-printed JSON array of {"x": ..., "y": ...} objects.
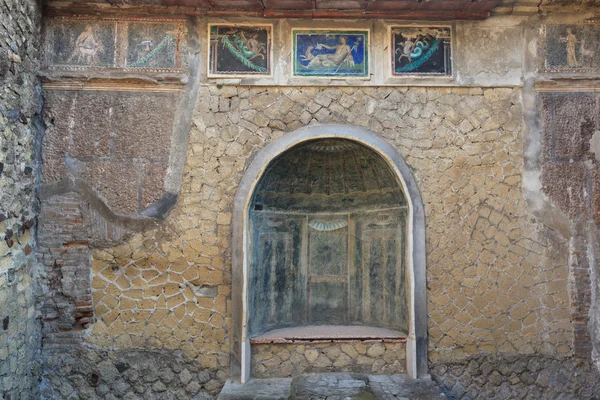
[
  {"x": 595, "y": 145},
  {"x": 544, "y": 185},
  {"x": 183, "y": 119},
  {"x": 490, "y": 53}
]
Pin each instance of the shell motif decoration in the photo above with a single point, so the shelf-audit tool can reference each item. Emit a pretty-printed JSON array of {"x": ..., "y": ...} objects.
[{"x": 324, "y": 226}]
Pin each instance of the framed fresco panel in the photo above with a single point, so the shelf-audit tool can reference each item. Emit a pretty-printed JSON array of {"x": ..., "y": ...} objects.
[
  {"x": 239, "y": 50},
  {"x": 80, "y": 44},
  {"x": 420, "y": 50},
  {"x": 571, "y": 48},
  {"x": 323, "y": 53},
  {"x": 77, "y": 43},
  {"x": 156, "y": 46}
]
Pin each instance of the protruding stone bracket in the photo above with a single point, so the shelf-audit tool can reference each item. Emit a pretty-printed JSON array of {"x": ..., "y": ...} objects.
[{"x": 146, "y": 218}]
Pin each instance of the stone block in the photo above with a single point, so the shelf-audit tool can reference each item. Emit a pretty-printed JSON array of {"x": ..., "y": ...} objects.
[
  {"x": 53, "y": 169},
  {"x": 116, "y": 182},
  {"x": 143, "y": 125},
  {"x": 89, "y": 124},
  {"x": 596, "y": 194},
  {"x": 58, "y": 107},
  {"x": 569, "y": 121},
  {"x": 564, "y": 183},
  {"x": 153, "y": 177}
]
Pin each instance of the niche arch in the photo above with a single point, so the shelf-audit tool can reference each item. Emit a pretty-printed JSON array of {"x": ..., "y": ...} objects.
[{"x": 416, "y": 346}]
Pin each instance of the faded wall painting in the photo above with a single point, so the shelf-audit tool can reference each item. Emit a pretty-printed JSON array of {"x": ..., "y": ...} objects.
[
  {"x": 331, "y": 53},
  {"x": 72, "y": 43},
  {"x": 81, "y": 43},
  {"x": 572, "y": 47},
  {"x": 421, "y": 50},
  {"x": 327, "y": 237},
  {"x": 155, "y": 45},
  {"x": 239, "y": 50}
]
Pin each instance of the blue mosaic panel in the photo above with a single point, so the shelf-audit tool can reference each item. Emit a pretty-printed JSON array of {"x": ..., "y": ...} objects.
[
  {"x": 421, "y": 51},
  {"x": 331, "y": 53}
]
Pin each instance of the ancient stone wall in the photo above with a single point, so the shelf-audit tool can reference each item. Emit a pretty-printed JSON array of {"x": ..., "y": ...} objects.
[
  {"x": 20, "y": 103},
  {"x": 495, "y": 283},
  {"x": 485, "y": 255},
  {"x": 509, "y": 200},
  {"x": 118, "y": 144},
  {"x": 284, "y": 360},
  {"x": 511, "y": 376},
  {"x": 569, "y": 176},
  {"x": 105, "y": 159}
]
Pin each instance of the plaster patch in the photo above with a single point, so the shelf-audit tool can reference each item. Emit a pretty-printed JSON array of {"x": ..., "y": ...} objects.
[
  {"x": 532, "y": 186},
  {"x": 595, "y": 145}
]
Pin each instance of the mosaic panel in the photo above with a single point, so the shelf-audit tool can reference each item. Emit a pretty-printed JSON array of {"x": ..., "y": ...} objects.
[
  {"x": 331, "y": 53},
  {"x": 421, "y": 50},
  {"x": 155, "y": 45},
  {"x": 239, "y": 50},
  {"x": 73, "y": 43},
  {"x": 81, "y": 43},
  {"x": 572, "y": 48}
]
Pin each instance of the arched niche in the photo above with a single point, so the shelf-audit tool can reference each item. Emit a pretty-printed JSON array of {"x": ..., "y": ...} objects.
[{"x": 262, "y": 203}]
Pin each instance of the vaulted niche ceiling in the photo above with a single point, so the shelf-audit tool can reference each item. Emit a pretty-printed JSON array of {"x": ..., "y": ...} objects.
[
  {"x": 327, "y": 240},
  {"x": 328, "y": 175}
]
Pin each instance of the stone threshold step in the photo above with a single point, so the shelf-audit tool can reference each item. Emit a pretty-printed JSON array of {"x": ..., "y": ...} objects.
[{"x": 334, "y": 386}]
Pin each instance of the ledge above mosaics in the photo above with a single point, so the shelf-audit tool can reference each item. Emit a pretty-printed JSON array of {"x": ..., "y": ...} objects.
[
  {"x": 566, "y": 85},
  {"x": 114, "y": 83}
]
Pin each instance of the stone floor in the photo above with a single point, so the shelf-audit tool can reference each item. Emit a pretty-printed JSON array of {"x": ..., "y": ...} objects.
[{"x": 338, "y": 386}]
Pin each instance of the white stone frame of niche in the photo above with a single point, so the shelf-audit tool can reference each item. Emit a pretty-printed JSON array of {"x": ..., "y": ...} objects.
[
  {"x": 211, "y": 75},
  {"x": 416, "y": 344},
  {"x": 389, "y": 61}
]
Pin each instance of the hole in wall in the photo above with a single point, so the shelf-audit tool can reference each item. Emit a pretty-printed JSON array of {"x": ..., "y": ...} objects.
[{"x": 94, "y": 379}]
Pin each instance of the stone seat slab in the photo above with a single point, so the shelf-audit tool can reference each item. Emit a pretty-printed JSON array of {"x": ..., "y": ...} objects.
[
  {"x": 329, "y": 333},
  {"x": 257, "y": 389}
]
